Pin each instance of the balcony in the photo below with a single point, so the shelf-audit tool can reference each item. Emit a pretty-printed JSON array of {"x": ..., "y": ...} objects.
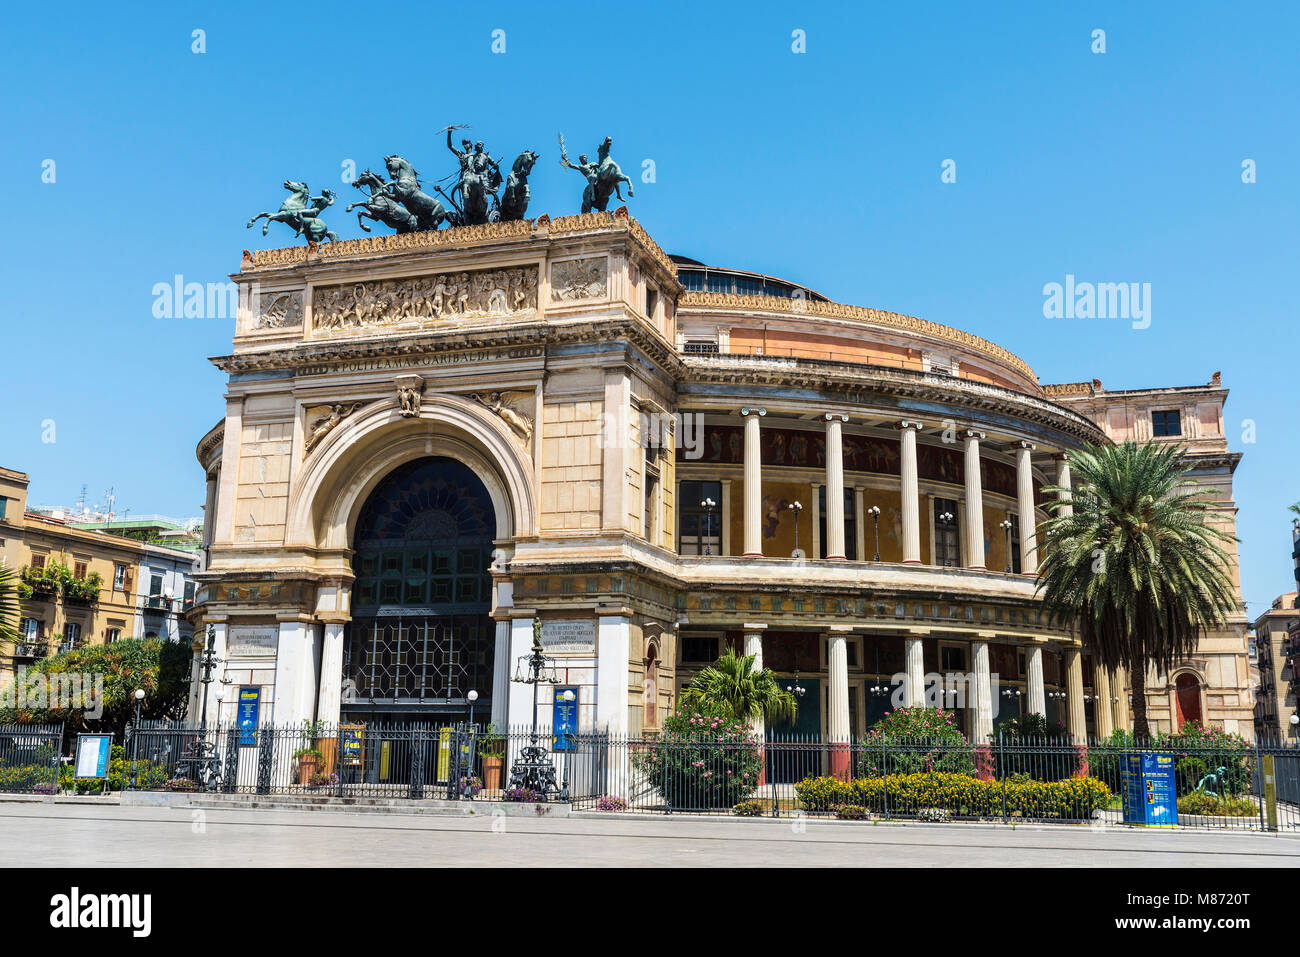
[
  {"x": 30, "y": 649},
  {"x": 156, "y": 604}
]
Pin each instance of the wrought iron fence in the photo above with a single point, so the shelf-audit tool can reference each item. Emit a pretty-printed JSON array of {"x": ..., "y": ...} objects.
[
  {"x": 29, "y": 758},
  {"x": 1224, "y": 784}
]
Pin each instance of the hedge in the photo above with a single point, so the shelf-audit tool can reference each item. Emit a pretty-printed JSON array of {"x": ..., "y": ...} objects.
[{"x": 959, "y": 793}]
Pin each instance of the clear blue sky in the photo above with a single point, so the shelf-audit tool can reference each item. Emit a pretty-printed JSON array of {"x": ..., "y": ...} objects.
[{"x": 822, "y": 167}]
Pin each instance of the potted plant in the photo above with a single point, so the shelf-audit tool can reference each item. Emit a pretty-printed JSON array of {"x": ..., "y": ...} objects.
[
  {"x": 309, "y": 759},
  {"x": 492, "y": 750}
]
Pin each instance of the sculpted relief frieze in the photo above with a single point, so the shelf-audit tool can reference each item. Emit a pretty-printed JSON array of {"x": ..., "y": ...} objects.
[
  {"x": 579, "y": 279},
  {"x": 514, "y": 408},
  {"x": 278, "y": 310},
  {"x": 446, "y": 296}
]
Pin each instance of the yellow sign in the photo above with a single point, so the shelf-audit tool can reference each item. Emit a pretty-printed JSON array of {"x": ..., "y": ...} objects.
[
  {"x": 1270, "y": 793},
  {"x": 444, "y": 754},
  {"x": 384, "y": 754}
]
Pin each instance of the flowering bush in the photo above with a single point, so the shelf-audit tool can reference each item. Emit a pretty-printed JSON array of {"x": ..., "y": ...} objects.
[
  {"x": 702, "y": 761},
  {"x": 149, "y": 775},
  {"x": 521, "y": 794},
  {"x": 1198, "y": 802},
  {"x": 915, "y": 740},
  {"x": 180, "y": 784},
  {"x": 471, "y": 785},
  {"x": 610, "y": 802},
  {"x": 1198, "y": 751},
  {"x": 29, "y": 777},
  {"x": 959, "y": 794},
  {"x": 851, "y": 812},
  {"x": 748, "y": 809},
  {"x": 323, "y": 779},
  {"x": 934, "y": 815}
]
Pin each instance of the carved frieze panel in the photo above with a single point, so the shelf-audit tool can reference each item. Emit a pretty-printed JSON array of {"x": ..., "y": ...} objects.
[
  {"x": 322, "y": 419},
  {"x": 278, "y": 310},
  {"x": 574, "y": 279},
  {"x": 445, "y": 296},
  {"x": 514, "y": 408}
]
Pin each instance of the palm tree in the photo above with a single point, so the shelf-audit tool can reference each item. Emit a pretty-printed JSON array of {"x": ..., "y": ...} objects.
[
  {"x": 1295, "y": 507},
  {"x": 731, "y": 688},
  {"x": 9, "y": 608},
  {"x": 1135, "y": 567}
]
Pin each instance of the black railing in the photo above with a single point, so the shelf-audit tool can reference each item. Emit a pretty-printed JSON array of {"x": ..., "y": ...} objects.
[{"x": 1212, "y": 784}]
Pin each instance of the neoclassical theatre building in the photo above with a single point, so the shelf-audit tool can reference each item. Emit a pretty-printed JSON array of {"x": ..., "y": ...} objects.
[{"x": 431, "y": 440}]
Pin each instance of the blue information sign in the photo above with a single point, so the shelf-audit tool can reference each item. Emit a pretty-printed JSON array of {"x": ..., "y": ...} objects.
[
  {"x": 564, "y": 718},
  {"x": 1150, "y": 797},
  {"x": 250, "y": 702},
  {"x": 93, "y": 752}
]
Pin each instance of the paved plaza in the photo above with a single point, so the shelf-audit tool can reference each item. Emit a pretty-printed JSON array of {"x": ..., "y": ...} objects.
[{"x": 55, "y": 835}]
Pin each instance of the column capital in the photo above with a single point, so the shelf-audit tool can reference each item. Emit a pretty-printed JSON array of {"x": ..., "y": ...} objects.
[
  {"x": 832, "y": 416},
  {"x": 909, "y": 424},
  {"x": 974, "y": 434},
  {"x": 753, "y": 627},
  {"x": 753, "y": 410},
  {"x": 1025, "y": 444},
  {"x": 1063, "y": 456}
]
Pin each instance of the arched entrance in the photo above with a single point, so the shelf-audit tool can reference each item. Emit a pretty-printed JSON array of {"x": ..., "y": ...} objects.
[
  {"x": 1188, "y": 692},
  {"x": 421, "y": 637}
]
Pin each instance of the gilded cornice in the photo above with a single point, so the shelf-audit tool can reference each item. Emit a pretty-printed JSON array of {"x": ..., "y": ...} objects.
[
  {"x": 734, "y": 302},
  {"x": 458, "y": 238}
]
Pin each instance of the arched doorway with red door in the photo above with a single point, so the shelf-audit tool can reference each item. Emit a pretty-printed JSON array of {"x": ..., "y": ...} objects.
[{"x": 1187, "y": 693}]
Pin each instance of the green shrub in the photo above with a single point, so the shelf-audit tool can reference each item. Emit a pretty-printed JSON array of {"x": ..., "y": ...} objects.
[
  {"x": 915, "y": 740},
  {"x": 1198, "y": 802},
  {"x": 748, "y": 809},
  {"x": 27, "y": 777},
  {"x": 150, "y": 775},
  {"x": 960, "y": 794},
  {"x": 851, "y": 812},
  {"x": 1197, "y": 750},
  {"x": 1032, "y": 745},
  {"x": 701, "y": 761}
]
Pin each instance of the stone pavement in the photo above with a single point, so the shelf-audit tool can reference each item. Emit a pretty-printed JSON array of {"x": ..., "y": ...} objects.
[{"x": 68, "y": 835}]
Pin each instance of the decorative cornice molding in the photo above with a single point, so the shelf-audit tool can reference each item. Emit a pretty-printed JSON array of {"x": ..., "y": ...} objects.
[{"x": 733, "y": 302}]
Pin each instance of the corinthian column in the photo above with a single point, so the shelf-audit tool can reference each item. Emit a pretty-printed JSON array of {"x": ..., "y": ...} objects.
[
  {"x": 753, "y": 484},
  {"x": 1074, "y": 696},
  {"x": 835, "y": 486},
  {"x": 1025, "y": 501},
  {"x": 910, "y": 493},
  {"x": 974, "y": 532}
]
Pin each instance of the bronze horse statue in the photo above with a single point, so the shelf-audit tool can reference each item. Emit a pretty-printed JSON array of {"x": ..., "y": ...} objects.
[
  {"x": 300, "y": 211},
  {"x": 428, "y": 212},
  {"x": 514, "y": 200},
  {"x": 381, "y": 206}
]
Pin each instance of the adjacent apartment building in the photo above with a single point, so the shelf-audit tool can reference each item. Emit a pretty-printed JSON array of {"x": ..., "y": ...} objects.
[{"x": 84, "y": 586}]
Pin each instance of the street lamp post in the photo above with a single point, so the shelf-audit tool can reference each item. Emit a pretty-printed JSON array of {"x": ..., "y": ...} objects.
[
  {"x": 796, "y": 507},
  {"x": 874, "y": 512},
  {"x": 708, "y": 505},
  {"x": 946, "y": 519},
  {"x": 534, "y": 769},
  {"x": 135, "y": 736},
  {"x": 208, "y": 661},
  {"x": 1005, "y": 525}
]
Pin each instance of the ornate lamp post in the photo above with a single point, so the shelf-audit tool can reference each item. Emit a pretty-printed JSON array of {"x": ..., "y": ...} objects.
[
  {"x": 796, "y": 507},
  {"x": 471, "y": 698},
  {"x": 1006, "y": 526},
  {"x": 208, "y": 660},
  {"x": 874, "y": 512},
  {"x": 534, "y": 768},
  {"x": 708, "y": 505},
  {"x": 946, "y": 519}
]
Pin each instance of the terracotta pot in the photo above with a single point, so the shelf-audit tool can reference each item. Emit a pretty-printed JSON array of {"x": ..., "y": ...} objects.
[
  {"x": 492, "y": 773},
  {"x": 307, "y": 766},
  {"x": 329, "y": 749}
]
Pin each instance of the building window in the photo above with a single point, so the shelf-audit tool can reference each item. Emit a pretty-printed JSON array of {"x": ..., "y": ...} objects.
[
  {"x": 650, "y": 516},
  {"x": 3, "y": 502},
  {"x": 699, "y": 529},
  {"x": 32, "y": 629},
  {"x": 79, "y": 569},
  {"x": 119, "y": 578},
  {"x": 38, "y": 562},
  {"x": 651, "y": 302},
  {"x": 112, "y": 635},
  {"x": 700, "y": 649},
  {"x": 947, "y": 538},
  {"x": 701, "y": 346},
  {"x": 850, "y": 524},
  {"x": 952, "y": 659},
  {"x": 1166, "y": 422},
  {"x": 71, "y": 634},
  {"x": 155, "y": 585},
  {"x": 1015, "y": 542}
]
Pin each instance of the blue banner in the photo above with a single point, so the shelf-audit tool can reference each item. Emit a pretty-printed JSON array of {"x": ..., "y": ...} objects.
[
  {"x": 564, "y": 718},
  {"x": 250, "y": 703}
]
